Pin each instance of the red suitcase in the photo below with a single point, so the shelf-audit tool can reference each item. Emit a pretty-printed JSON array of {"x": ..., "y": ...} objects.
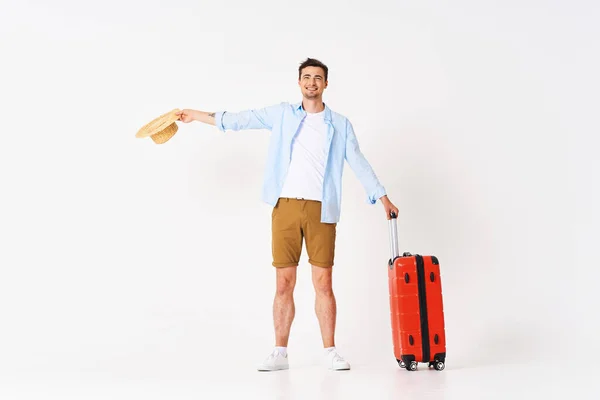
[{"x": 416, "y": 307}]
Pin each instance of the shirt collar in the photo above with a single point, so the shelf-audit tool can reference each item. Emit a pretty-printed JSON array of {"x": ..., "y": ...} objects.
[{"x": 327, "y": 115}]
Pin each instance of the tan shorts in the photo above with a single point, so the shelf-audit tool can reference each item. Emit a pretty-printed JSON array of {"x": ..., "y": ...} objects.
[{"x": 294, "y": 220}]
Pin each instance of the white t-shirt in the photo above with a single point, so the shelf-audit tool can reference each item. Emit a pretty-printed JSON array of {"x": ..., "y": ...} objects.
[{"x": 307, "y": 166}]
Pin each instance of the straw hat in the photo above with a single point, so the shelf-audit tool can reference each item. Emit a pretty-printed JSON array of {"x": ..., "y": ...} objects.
[{"x": 160, "y": 129}]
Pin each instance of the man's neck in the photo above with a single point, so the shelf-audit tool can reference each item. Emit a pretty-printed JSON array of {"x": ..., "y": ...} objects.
[{"x": 313, "y": 106}]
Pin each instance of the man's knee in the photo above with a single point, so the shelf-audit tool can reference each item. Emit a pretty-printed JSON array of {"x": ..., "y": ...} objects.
[
  {"x": 322, "y": 281},
  {"x": 286, "y": 280}
]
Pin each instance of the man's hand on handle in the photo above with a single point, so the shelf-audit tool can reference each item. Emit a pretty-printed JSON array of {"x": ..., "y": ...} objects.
[{"x": 388, "y": 207}]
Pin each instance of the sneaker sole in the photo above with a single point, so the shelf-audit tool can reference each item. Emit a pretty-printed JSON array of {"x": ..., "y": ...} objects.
[
  {"x": 273, "y": 369},
  {"x": 340, "y": 369}
]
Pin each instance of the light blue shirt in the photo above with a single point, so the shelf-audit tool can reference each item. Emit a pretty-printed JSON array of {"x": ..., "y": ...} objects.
[{"x": 283, "y": 120}]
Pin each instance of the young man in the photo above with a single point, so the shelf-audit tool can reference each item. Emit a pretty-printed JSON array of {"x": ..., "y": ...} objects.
[{"x": 303, "y": 176}]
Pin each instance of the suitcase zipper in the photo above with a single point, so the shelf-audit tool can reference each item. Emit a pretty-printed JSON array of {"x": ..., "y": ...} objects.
[{"x": 423, "y": 309}]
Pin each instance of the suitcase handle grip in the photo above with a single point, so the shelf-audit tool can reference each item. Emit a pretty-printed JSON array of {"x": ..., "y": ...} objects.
[{"x": 394, "y": 250}]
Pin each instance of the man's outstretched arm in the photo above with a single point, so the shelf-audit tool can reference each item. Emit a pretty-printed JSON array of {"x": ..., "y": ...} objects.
[{"x": 261, "y": 118}]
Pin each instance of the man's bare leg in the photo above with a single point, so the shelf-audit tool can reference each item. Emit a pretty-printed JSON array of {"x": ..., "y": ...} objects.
[
  {"x": 326, "y": 309},
  {"x": 283, "y": 304},
  {"x": 283, "y": 315},
  {"x": 325, "y": 304}
]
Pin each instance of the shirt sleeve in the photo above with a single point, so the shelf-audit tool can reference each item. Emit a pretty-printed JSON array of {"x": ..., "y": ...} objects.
[
  {"x": 361, "y": 167},
  {"x": 262, "y": 118}
]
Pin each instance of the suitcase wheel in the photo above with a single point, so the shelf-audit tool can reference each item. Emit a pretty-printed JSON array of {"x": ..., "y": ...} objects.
[
  {"x": 438, "y": 365},
  {"x": 412, "y": 366}
]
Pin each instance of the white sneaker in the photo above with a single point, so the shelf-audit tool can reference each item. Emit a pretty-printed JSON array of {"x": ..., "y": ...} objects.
[
  {"x": 336, "y": 362},
  {"x": 276, "y": 361}
]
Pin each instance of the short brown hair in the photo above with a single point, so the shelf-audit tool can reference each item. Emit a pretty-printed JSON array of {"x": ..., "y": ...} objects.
[{"x": 312, "y": 62}]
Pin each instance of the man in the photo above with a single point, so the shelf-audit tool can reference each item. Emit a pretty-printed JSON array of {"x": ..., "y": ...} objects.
[{"x": 308, "y": 147}]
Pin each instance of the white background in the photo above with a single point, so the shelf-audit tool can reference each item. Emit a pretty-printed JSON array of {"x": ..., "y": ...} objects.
[{"x": 123, "y": 259}]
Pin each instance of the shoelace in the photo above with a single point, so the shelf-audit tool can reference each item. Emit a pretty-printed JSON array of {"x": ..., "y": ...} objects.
[
  {"x": 273, "y": 355},
  {"x": 337, "y": 357}
]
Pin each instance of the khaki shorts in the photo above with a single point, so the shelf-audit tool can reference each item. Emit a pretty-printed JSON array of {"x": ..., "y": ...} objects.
[{"x": 294, "y": 220}]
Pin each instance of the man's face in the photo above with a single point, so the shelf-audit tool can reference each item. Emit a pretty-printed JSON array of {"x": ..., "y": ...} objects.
[{"x": 312, "y": 82}]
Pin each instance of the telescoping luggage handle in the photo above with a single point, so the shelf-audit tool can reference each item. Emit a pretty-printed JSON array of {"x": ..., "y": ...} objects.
[{"x": 395, "y": 251}]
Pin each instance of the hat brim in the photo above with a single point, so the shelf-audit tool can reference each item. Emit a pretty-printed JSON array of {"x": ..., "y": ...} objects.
[{"x": 160, "y": 128}]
